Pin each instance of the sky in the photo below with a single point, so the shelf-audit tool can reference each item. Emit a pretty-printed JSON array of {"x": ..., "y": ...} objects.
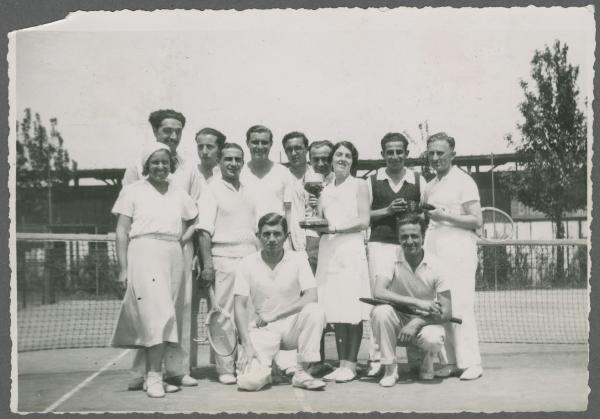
[{"x": 336, "y": 74}]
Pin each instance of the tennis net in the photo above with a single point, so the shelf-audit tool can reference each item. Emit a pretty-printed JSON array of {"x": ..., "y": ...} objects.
[{"x": 527, "y": 291}]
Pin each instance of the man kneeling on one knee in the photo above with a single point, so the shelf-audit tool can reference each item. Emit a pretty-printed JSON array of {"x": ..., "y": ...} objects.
[
  {"x": 283, "y": 293},
  {"x": 414, "y": 281}
]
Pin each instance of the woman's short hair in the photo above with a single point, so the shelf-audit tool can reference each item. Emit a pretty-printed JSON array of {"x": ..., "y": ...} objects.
[
  {"x": 353, "y": 151},
  {"x": 157, "y": 117},
  {"x": 259, "y": 129},
  {"x": 392, "y": 137},
  {"x": 273, "y": 219},
  {"x": 211, "y": 131},
  {"x": 442, "y": 136},
  {"x": 172, "y": 162},
  {"x": 232, "y": 145}
]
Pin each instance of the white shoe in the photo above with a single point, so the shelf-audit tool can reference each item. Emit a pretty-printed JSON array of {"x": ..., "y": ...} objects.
[
  {"x": 390, "y": 376},
  {"x": 154, "y": 385},
  {"x": 188, "y": 381},
  {"x": 227, "y": 379},
  {"x": 169, "y": 388},
  {"x": 303, "y": 379},
  {"x": 374, "y": 369},
  {"x": 472, "y": 373},
  {"x": 332, "y": 375},
  {"x": 345, "y": 375}
]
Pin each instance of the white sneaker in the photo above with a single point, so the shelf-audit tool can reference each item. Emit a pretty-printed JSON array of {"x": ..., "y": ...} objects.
[
  {"x": 169, "y": 388},
  {"x": 472, "y": 373},
  {"x": 345, "y": 375},
  {"x": 188, "y": 381},
  {"x": 154, "y": 385},
  {"x": 374, "y": 369},
  {"x": 227, "y": 379},
  {"x": 332, "y": 375},
  {"x": 390, "y": 376}
]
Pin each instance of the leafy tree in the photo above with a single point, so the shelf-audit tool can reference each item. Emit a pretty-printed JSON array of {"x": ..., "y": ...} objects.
[
  {"x": 42, "y": 161},
  {"x": 553, "y": 143}
]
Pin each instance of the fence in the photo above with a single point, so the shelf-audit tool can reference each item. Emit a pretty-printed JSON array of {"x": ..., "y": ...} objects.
[{"x": 527, "y": 291}]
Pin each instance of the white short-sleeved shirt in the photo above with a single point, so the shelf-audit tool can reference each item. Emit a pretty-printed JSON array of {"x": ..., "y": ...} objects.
[
  {"x": 450, "y": 193},
  {"x": 409, "y": 177},
  {"x": 266, "y": 192},
  {"x": 423, "y": 283},
  {"x": 228, "y": 215},
  {"x": 186, "y": 177},
  {"x": 153, "y": 212},
  {"x": 273, "y": 289}
]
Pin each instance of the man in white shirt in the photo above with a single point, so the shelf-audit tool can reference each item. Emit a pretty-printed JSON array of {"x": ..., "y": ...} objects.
[
  {"x": 264, "y": 179},
  {"x": 284, "y": 296},
  {"x": 390, "y": 188},
  {"x": 167, "y": 126},
  {"x": 412, "y": 280},
  {"x": 226, "y": 226},
  {"x": 451, "y": 239}
]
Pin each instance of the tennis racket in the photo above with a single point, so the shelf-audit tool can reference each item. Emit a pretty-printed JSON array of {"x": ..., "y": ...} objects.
[
  {"x": 497, "y": 225},
  {"x": 221, "y": 331},
  {"x": 403, "y": 308}
]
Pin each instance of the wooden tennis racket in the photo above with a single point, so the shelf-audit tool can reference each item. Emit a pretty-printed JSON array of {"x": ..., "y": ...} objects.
[
  {"x": 403, "y": 308},
  {"x": 497, "y": 225},
  {"x": 220, "y": 328}
]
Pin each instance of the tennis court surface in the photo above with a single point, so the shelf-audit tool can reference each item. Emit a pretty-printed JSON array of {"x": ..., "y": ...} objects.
[{"x": 517, "y": 377}]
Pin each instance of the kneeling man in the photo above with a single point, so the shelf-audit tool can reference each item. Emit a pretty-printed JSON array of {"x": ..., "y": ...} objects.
[
  {"x": 283, "y": 291},
  {"x": 416, "y": 282}
]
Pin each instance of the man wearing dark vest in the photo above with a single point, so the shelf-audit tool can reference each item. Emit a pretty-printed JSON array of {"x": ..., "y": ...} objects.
[{"x": 390, "y": 189}]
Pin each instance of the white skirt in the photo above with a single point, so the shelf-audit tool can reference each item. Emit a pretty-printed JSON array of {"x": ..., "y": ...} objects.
[
  {"x": 343, "y": 277},
  {"x": 155, "y": 275}
]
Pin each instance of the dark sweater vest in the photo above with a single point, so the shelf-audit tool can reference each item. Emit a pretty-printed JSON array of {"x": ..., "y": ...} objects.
[{"x": 383, "y": 230}]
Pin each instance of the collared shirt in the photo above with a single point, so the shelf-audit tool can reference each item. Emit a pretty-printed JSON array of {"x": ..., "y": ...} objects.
[
  {"x": 423, "y": 283},
  {"x": 153, "y": 212},
  {"x": 228, "y": 215},
  {"x": 216, "y": 175},
  {"x": 409, "y": 177},
  {"x": 273, "y": 289},
  {"x": 295, "y": 198},
  {"x": 186, "y": 177},
  {"x": 450, "y": 193},
  {"x": 266, "y": 192}
]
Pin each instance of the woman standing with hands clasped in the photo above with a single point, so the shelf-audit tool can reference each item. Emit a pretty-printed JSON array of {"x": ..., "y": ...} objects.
[
  {"x": 149, "y": 242},
  {"x": 342, "y": 272}
]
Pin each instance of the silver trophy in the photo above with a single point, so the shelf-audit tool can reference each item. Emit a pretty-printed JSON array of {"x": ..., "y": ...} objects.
[{"x": 313, "y": 184}]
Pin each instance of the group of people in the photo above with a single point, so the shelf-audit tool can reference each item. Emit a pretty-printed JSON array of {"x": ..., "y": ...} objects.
[{"x": 285, "y": 285}]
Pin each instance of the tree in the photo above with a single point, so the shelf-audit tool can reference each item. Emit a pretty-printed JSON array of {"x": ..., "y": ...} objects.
[
  {"x": 553, "y": 143},
  {"x": 42, "y": 162}
]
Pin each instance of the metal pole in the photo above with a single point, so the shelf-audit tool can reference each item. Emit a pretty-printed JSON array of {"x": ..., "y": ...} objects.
[{"x": 494, "y": 224}]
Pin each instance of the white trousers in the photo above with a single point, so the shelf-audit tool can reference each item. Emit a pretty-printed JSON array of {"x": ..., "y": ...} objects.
[
  {"x": 455, "y": 251},
  {"x": 386, "y": 328},
  {"x": 379, "y": 255},
  {"x": 176, "y": 358},
  {"x": 301, "y": 331}
]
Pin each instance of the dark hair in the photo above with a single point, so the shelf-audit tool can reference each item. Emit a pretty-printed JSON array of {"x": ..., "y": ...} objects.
[
  {"x": 322, "y": 143},
  {"x": 232, "y": 145},
  {"x": 412, "y": 219},
  {"x": 391, "y": 137},
  {"x": 211, "y": 131},
  {"x": 352, "y": 149},
  {"x": 273, "y": 219},
  {"x": 442, "y": 136},
  {"x": 258, "y": 129},
  {"x": 172, "y": 162},
  {"x": 294, "y": 134},
  {"x": 157, "y": 117}
]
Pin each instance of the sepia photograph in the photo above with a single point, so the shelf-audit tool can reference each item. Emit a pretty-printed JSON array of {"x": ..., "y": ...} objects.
[{"x": 288, "y": 210}]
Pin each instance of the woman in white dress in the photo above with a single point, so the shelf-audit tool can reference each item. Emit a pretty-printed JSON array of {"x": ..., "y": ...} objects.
[
  {"x": 342, "y": 272},
  {"x": 150, "y": 240}
]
